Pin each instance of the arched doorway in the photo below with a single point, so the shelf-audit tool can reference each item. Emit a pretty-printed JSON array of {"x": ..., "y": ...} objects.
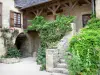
[
  {"x": 28, "y": 43},
  {"x": 21, "y": 44}
]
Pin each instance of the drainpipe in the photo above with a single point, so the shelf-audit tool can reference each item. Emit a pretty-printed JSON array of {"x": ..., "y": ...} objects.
[{"x": 93, "y": 6}]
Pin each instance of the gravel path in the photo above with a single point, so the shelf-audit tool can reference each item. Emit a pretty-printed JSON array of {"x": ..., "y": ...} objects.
[{"x": 27, "y": 66}]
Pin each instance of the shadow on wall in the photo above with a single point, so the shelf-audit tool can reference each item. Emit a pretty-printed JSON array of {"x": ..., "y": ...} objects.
[{"x": 28, "y": 43}]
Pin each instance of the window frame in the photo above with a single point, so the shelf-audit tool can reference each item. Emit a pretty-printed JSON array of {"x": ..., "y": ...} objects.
[{"x": 15, "y": 21}]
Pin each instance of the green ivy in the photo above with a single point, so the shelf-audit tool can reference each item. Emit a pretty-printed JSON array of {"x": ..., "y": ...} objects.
[
  {"x": 85, "y": 50},
  {"x": 50, "y": 32},
  {"x": 12, "y": 51}
]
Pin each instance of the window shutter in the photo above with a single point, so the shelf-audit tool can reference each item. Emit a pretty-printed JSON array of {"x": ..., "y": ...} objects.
[
  {"x": 11, "y": 19},
  {"x": 24, "y": 22},
  {"x": 0, "y": 15}
]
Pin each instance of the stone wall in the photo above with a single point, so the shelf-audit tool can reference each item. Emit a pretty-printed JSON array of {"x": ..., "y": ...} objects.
[
  {"x": 54, "y": 55},
  {"x": 8, "y": 5},
  {"x": 2, "y": 47},
  {"x": 35, "y": 42}
]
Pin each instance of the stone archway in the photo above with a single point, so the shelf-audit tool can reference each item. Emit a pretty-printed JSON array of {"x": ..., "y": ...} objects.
[
  {"x": 22, "y": 44},
  {"x": 28, "y": 43}
]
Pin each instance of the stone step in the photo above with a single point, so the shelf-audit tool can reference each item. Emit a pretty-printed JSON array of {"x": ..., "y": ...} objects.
[
  {"x": 57, "y": 74},
  {"x": 62, "y": 61},
  {"x": 61, "y": 65},
  {"x": 60, "y": 70}
]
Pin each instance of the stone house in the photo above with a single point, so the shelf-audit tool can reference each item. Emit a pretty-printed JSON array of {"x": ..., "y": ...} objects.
[{"x": 14, "y": 14}]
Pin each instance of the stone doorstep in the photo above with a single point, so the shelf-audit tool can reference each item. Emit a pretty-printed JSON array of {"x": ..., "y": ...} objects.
[
  {"x": 57, "y": 74},
  {"x": 61, "y": 65},
  {"x": 62, "y": 61},
  {"x": 9, "y": 60},
  {"x": 60, "y": 70}
]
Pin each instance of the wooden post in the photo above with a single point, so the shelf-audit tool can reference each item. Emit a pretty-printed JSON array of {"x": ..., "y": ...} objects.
[
  {"x": 71, "y": 5},
  {"x": 53, "y": 9},
  {"x": 88, "y": 1},
  {"x": 25, "y": 19},
  {"x": 38, "y": 12}
]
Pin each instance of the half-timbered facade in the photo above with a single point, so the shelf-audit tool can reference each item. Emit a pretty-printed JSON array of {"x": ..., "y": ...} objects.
[
  {"x": 81, "y": 9},
  {"x": 14, "y": 14}
]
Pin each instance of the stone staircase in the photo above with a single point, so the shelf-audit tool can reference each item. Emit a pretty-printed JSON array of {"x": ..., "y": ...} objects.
[
  {"x": 55, "y": 62},
  {"x": 61, "y": 68}
]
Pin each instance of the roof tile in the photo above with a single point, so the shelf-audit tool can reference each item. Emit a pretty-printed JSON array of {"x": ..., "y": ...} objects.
[{"x": 28, "y": 3}]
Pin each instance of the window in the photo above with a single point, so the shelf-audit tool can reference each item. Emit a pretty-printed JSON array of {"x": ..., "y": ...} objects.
[{"x": 15, "y": 19}]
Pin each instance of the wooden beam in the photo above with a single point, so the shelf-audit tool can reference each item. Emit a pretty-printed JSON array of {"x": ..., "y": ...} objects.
[
  {"x": 70, "y": 3},
  {"x": 65, "y": 5},
  {"x": 56, "y": 8},
  {"x": 88, "y": 1},
  {"x": 41, "y": 10},
  {"x": 26, "y": 13},
  {"x": 50, "y": 9},
  {"x": 35, "y": 12},
  {"x": 63, "y": 2},
  {"x": 53, "y": 8},
  {"x": 74, "y": 4},
  {"x": 38, "y": 12}
]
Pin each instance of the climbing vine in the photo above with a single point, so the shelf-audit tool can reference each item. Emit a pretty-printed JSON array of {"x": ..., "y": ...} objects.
[
  {"x": 50, "y": 33},
  {"x": 8, "y": 37}
]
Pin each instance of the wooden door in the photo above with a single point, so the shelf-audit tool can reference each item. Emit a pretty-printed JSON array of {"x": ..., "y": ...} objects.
[
  {"x": 85, "y": 19},
  {"x": 0, "y": 15},
  {"x": 24, "y": 21}
]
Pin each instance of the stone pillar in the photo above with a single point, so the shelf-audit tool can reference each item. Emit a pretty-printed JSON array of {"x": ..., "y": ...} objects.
[
  {"x": 73, "y": 25},
  {"x": 51, "y": 59},
  {"x": 97, "y": 8},
  {"x": 73, "y": 32}
]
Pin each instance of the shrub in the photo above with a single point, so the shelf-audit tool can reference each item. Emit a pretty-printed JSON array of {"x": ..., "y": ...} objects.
[
  {"x": 85, "y": 50},
  {"x": 94, "y": 23},
  {"x": 40, "y": 55},
  {"x": 13, "y": 52}
]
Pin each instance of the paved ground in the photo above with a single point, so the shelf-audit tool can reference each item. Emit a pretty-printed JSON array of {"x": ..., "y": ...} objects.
[{"x": 27, "y": 66}]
